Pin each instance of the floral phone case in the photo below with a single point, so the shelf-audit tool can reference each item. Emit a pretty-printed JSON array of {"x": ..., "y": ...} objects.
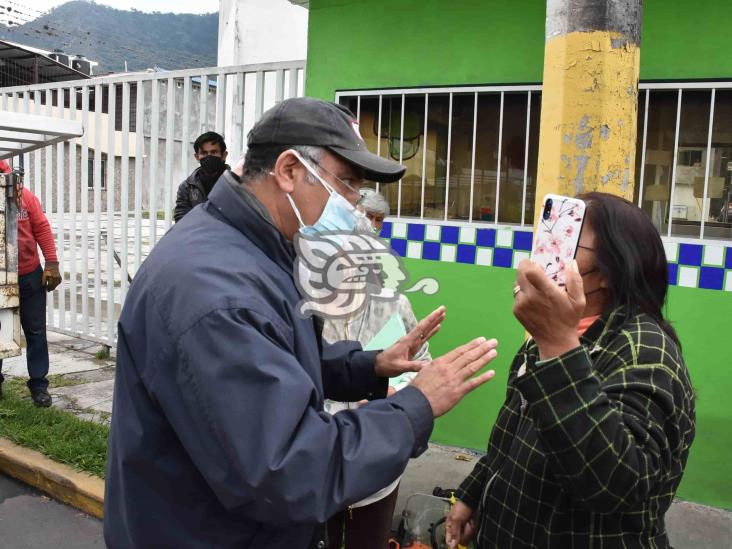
[{"x": 557, "y": 236}]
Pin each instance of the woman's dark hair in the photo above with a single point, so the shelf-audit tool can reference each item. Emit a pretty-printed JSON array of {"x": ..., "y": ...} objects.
[{"x": 629, "y": 254}]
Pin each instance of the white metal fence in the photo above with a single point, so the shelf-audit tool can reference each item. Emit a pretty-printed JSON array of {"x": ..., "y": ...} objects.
[{"x": 110, "y": 195}]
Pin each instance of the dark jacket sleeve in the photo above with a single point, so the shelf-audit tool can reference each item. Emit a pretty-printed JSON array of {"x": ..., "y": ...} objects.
[
  {"x": 348, "y": 373},
  {"x": 182, "y": 202},
  {"x": 250, "y": 418},
  {"x": 609, "y": 441}
]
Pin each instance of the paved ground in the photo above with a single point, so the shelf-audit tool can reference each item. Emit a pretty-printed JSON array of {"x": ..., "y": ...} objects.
[
  {"x": 29, "y": 520},
  {"x": 87, "y": 391}
]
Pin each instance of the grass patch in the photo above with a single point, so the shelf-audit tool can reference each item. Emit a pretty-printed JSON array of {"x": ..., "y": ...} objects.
[
  {"x": 57, "y": 434},
  {"x": 62, "y": 380},
  {"x": 103, "y": 353},
  {"x": 160, "y": 214}
]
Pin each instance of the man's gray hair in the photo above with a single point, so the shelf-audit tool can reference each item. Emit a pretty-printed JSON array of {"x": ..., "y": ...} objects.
[
  {"x": 310, "y": 154},
  {"x": 260, "y": 159},
  {"x": 371, "y": 201}
]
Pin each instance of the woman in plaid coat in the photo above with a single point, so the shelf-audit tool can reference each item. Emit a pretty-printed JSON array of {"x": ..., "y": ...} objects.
[{"x": 592, "y": 440}]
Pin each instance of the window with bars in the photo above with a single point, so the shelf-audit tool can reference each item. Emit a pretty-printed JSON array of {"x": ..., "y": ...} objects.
[
  {"x": 102, "y": 173},
  {"x": 471, "y": 153}
]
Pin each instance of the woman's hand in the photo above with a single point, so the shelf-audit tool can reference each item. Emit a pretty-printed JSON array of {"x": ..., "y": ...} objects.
[
  {"x": 549, "y": 313},
  {"x": 460, "y": 525}
]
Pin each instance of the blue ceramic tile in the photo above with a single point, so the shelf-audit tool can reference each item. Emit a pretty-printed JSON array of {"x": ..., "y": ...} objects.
[
  {"x": 450, "y": 235},
  {"x": 415, "y": 232},
  {"x": 399, "y": 245},
  {"x": 673, "y": 274},
  {"x": 522, "y": 240},
  {"x": 711, "y": 278},
  {"x": 486, "y": 238},
  {"x": 431, "y": 250},
  {"x": 466, "y": 254},
  {"x": 728, "y": 260},
  {"x": 503, "y": 257},
  {"x": 690, "y": 254},
  {"x": 386, "y": 230}
]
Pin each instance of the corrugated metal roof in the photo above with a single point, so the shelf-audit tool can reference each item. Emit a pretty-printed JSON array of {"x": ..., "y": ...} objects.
[{"x": 24, "y": 59}]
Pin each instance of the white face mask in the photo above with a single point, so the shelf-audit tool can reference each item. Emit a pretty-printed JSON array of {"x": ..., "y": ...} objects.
[{"x": 338, "y": 215}]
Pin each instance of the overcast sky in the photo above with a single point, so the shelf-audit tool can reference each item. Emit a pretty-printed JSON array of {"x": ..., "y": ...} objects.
[{"x": 165, "y": 6}]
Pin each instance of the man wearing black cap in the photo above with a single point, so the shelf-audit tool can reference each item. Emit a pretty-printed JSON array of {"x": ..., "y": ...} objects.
[{"x": 219, "y": 437}]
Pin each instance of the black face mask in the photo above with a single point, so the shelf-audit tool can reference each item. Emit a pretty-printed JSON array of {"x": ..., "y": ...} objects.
[{"x": 211, "y": 169}]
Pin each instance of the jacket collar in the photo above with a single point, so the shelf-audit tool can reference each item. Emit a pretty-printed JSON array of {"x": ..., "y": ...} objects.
[
  {"x": 604, "y": 328},
  {"x": 195, "y": 180},
  {"x": 242, "y": 210}
]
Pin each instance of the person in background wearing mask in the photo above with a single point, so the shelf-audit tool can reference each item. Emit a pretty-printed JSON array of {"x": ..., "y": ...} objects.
[
  {"x": 367, "y": 524},
  {"x": 34, "y": 282},
  {"x": 210, "y": 151},
  {"x": 219, "y": 436}
]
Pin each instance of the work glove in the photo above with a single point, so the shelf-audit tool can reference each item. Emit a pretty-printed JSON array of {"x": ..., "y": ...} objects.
[{"x": 51, "y": 277}]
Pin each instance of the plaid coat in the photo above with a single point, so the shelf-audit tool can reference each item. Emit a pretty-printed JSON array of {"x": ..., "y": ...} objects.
[{"x": 589, "y": 447}]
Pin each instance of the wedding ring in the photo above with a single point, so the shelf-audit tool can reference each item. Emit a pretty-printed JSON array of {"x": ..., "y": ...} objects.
[
  {"x": 516, "y": 290},
  {"x": 421, "y": 336}
]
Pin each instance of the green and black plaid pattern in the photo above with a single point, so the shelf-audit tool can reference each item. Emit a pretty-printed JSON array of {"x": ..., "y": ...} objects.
[{"x": 589, "y": 448}]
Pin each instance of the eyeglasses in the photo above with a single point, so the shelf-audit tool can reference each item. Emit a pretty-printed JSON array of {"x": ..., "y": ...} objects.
[{"x": 347, "y": 183}]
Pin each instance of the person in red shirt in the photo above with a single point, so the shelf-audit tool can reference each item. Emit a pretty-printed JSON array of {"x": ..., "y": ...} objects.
[{"x": 33, "y": 282}]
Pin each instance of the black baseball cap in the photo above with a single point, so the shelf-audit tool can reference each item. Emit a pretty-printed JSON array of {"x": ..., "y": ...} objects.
[{"x": 316, "y": 123}]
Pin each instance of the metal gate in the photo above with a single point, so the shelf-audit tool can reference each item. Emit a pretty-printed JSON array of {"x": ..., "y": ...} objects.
[{"x": 109, "y": 195}]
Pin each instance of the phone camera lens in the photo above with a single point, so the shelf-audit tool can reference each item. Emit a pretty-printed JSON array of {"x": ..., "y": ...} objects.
[{"x": 547, "y": 208}]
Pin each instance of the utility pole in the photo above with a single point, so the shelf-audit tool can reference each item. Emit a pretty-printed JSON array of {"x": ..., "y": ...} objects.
[{"x": 589, "y": 104}]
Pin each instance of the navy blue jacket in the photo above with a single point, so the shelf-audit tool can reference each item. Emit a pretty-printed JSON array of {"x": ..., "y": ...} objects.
[{"x": 218, "y": 437}]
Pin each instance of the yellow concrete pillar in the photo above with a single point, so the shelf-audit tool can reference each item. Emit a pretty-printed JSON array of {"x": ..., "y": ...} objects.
[{"x": 590, "y": 98}]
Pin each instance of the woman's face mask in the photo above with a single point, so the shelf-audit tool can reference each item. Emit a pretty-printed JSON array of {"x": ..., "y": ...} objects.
[{"x": 338, "y": 215}]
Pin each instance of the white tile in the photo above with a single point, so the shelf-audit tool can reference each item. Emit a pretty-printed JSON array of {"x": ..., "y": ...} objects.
[
  {"x": 484, "y": 256},
  {"x": 432, "y": 232},
  {"x": 414, "y": 250},
  {"x": 399, "y": 230},
  {"x": 449, "y": 252},
  {"x": 689, "y": 277},
  {"x": 714, "y": 255},
  {"x": 467, "y": 235},
  {"x": 672, "y": 251},
  {"x": 728, "y": 282},
  {"x": 504, "y": 238},
  {"x": 518, "y": 257}
]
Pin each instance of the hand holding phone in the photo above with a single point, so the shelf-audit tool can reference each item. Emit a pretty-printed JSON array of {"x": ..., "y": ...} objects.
[{"x": 557, "y": 235}]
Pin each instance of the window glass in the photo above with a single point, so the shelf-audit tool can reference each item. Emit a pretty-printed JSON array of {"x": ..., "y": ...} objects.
[
  {"x": 461, "y": 156},
  {"x": 513, "y": 157},
  {"x": 486, "y": 156},
  {"x": 533, "y": 162},
  {"x": 690, "y": 163},
  {"x": 718, "y": 220},
  {"x": 659, "y": 156}
]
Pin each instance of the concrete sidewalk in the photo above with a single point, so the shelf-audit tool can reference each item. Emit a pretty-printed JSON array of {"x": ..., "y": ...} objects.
[
  {"x": 78, "y": 381},
  {"x": 83, "y": 384}
]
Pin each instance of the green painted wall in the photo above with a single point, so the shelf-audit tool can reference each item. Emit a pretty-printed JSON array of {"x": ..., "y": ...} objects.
[
  {"x": 479, "y": 301},
  {"x": 361, "y": 44}
]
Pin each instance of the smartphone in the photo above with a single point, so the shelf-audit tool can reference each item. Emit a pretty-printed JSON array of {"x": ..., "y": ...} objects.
[{"x": 557, "y": 235}]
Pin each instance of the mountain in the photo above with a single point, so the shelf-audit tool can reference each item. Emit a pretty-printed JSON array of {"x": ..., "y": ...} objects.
[{"x": 111, "y": 36}]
